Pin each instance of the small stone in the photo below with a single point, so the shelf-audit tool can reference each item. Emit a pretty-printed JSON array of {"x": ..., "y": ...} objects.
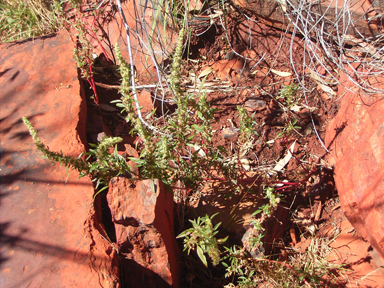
[
  {"x": 230, "y": 55},
  {"x": 255, "y": 104},
  {"x": 305, "y": 114},
  {"x": 230, "y": 133}
]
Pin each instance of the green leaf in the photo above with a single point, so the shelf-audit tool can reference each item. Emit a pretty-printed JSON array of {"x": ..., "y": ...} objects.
[
  {"x": 256, "y": 212},
  {"x": 221, "y": 241},
  {"x": 115, "y": 153},
  {"x": 183, "y": 234},
  {"x": 201, "y": 255},
  {"x": 216, "y": 226},
  {"x": 152, "y": 186},
  {"x": 136, "y": 160}
]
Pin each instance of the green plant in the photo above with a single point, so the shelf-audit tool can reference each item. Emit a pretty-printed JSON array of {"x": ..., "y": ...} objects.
[
  {"x": 238, "y": 266},
  {"x": 289, "y": 127},
  {"x": 172, "y": 157},
  {"x": 100, "y": 164},
  {"x": 302, "y": 269},
  {"x": 201, "y": 236},
  {"x": 104, "y": 165},
  {"x": 309, "y": 269},
  {"x": 263, "y": 213},
  {"x": 22, "y": 19},
  {"x": 181, "y": 154},
  {"x": 289, "y": 93},
  {"x": 81, "y": 32},
  {"x": 252, "y": 272}
]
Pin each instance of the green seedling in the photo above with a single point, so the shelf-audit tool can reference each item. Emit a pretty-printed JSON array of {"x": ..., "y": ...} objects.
[
  {"x": 289, "y": 128},
  {"x": 289, "y": 94},
  {"x": 201, "y": 237}
]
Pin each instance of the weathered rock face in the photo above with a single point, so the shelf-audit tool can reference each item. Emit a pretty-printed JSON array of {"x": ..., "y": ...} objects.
[
  {"x": 356, "y": 140},
  {"x": 143, "y": 43},
  {"x": 142, "y": 212},
  {"x": 47, "y": 226}
]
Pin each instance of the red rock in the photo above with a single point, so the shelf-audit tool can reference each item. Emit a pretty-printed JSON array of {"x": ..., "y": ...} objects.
[
  {"x": 47, "y": 219},
  {"x": 351, "y": 250},
  {"x": 145, "y": 101},
  {"x": 131, "y": 152},
  {"x": 225, "y": 68},
  {"x": 143, "y": 220},
  {"x": 356, "y": 140},
  {"x": 162, "y": 45},
  {"x": 251, "y": 57},
  {"x": 358, "y": 6}
]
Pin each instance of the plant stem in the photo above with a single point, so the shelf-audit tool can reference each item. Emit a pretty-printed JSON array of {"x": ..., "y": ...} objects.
[{"x": 133, "y": 84}]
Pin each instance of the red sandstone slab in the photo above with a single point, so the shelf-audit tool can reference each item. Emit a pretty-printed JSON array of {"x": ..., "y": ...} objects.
[
  {"x": 356, "y": 140},
  {"x": 46, "y": 226},
  {"x": 143, "y": 44},
  {"x": 350, "y": 250}
]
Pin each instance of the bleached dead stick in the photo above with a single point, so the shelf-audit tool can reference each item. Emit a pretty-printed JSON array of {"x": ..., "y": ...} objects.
[{"x": 133, "y": 84}]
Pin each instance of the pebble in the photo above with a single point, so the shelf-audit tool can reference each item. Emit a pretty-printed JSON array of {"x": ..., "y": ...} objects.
[
  {"x": 255, "y": 104},
  {"x": 230, "y": 133}
]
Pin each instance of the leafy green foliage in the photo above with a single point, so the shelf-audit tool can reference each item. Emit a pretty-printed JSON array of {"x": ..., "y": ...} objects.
[
  {"x": 289, "y": 93},
  {"x": 289, "y": 128},
  {"x": 304, "y": 270},
  {"x": 170, "y": 153},
  {"x": 201, "y": 237},
  {"x": 181, "y": 151},
  {"x": 23, "y": 19},
  {"x": 100, "y": 165}
]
